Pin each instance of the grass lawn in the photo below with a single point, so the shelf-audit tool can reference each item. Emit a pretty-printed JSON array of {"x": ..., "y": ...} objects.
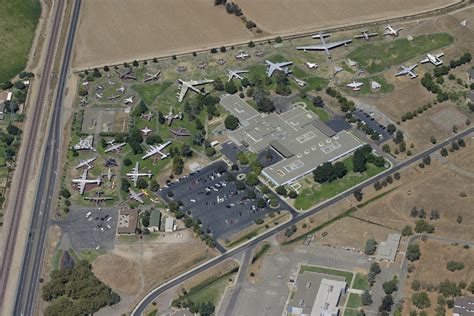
[
  {"x": 345, "y": 274},
  {"x": 379, "y": 56},
  {"x": 351, "y": 312},
  {"x": 57, "y": 258},
  {"x": 311, "y": 196},
  {"x": 91, "y": 255},
  {"x": 315, "y": 82},
  {"x": 360, "y": 282},
  {"x": 354, "y": 301},
  {"x": 148, "y": 93},
  {"x": 18, "y": 20}
]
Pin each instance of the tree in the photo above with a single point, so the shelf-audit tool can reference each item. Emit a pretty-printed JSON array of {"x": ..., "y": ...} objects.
[
  {"x": 449, "y": 289},
  {"x": 154, "y": 185},
  {"x": 387, "y": 303},
  {"x": 422, "y": 226},
  {"x": 391, "y": 129},
  {"x": 142, "y": 184},
  {"x": 407, "y": 231},
  {"x": 370, "y": 247},
  {"x": 65, "y": 193},
  {"x": 261, "y": 203},
  {"x": 178, "y": 165},
  {"x": 358, "y": 194},
  {"x": 251, "y": 44},
  {"x": 471, "y": 287},
  {"x": 127, "y": 162},
  {"x": 230, "y": 87},
  {"x": 366, "y": 298},
  {"x": 454, "y": 265},
  {"x": 281, "y": 190},
  {"x": 96, "y": 73},
  {"x": 459, "y": 219},
  {"x": 340, "y": 169},
  {"x": 415, "y": 285},
  {"x": 359, "y": 161},
  {"x": 231, "y": 122},
  {"x": 210, "y": 151},
  {"x": 375, "y": 268},
  {"x": 390, "y": 286},
  {"x": 413, "y": 252},
  {"x": 278, "y": 39},
  {"x": 140, "y": 108},
  {"x": 264, "y": 104},
  {"x": 13, "y": 130},
  {"x": 252, "y": 179},
  {"x": 421, "y": 300}
]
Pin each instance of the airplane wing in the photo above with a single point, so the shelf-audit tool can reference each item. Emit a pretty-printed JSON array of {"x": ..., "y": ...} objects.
[
  {"x": 182, "y": 92},
  {"x": 337, "y": 43},
  {"x": 401, "y": 72},
  {"x": 425, "y": 60},
  {"x": 312, "y": 47},
  {"x": 439, "y": 55},
  {"x": 359, "y": 36},
  {"x": 281, "y": 65},
  {"x": 81, "y": 185},
  {"x": 270, "y": 70}
]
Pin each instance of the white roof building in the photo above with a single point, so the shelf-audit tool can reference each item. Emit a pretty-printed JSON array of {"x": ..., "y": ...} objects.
[
  {"x": 169, "y": 225},
  {"x": 328, "y": 297},
  {"x": 387, "y": 250}
]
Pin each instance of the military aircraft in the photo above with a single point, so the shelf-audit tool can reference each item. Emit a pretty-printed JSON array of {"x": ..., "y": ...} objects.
[
  {"x": 109, "y": 174},
  {"x": 127, "y": 74},
  {"x": 355, "y": 85},
  {"x": 366, "y": 35},
  {"x": 407, "y": 71},
  {"x": 135, "y": 174},
  {"x": 87, "y": 162},
  {"x": 392, "y": 31},
  {"x": 121, "y": 89},
  {"x": 113, "y": 97},
  {"x": 129, "y": 100},
  {"x": 99, "y": 198},
  {"x": 110, "y": 162},
  {"x": 311, "y": 65},
  {"x": 231, "y": 74},
  {"x": 151, "y": 77},
  {"x": 147, "y": 116},
  {"x": 180, "y": 132},
  {"x": 186, "y": 85},
  {"x": 324, "y": 46},
  {"x": 434, "y": 59},
  {"x": 113, "y": 146},
  {"x": 135, "y": 196},
  {"x": 85, "y": 143},
  {"x": 83, "y": 181},
  {"x": 242, "y": 55},
  {"x": 153, "y": 150},
  {"x": 171, "y": 116},
  {"x": 146, "y": 130},
  {"x": 283, "y": 67}
]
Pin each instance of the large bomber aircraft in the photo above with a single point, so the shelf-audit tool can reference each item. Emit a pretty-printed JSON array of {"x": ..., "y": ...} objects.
[
  {"x": 186, "y": 85},
  {"x": 272, "y": 67},
  {"x": 231, "y": 74},
  {"x": 408, "y": 71},
  {"x": 434, "y": 59},
  {"x": 135, "y": 196},
  {"x": 87, "y": 162},
  {"x": 365, "y": 35},
  {"x": 151, "y": 77},
  {"x": 135, "y": 174},
  {"x": 83, "y": 181},
  {"x": 114, "y": 147},
  {"x": 324, "y": 46},
  {"x": 392, "y": 31},
  {"x": 153, "y": 150},
  {"x": 127, "y": 74}
]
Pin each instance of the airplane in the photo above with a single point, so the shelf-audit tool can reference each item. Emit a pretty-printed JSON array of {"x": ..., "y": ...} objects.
[
  {"x": 337, "y": 70},
  {"x": 100, "y": 87},
  {"x": 113, "y": 146},
  {"x": 135, "y": 196},
  {"x": 110, "y": 162},
  {"x": 85, "y": 143},
  {"x": 83, "y": 181},
  {"x": 171, "y": 116},
  {"x": 83, "y": 102},
  {"x": 147, "y": 116},
  {"x": 392, "y": 31},
  {"x": 135, "y": 174},
  {"x": 235, "y": 74},
  {"x": 433, "y": 58},
  {"x": 109, "y": 174},
  {"x": 311, "y": 65},
  {"x": 180, "y": 132},
  {"x": 186, "y": 85},
  {"x": 99, "y": 96},
  {"x": 113, "y": 97},
  {"x": 366, "y": 35},
  {"x": 127, "y": 74},
  {"x": 97, "y": 199},
  {"x": 145, "y": 130},
  {"x": 86, "y": 162},
  {"x": 407, "y": 71},
  {"x": 355, "y": 85},
  {"x": 121, "y": 89},
  {"x": 283, "y": 67},
  {"x": 324, "y": 46},
  {"x": 151, "y": 77},
  {"x": 242, "y": 55},
  {"x": 157, "y": 150},
  {"x": 129, "y": 100}
]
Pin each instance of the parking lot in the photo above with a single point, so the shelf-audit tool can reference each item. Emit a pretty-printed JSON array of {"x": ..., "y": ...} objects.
[
  {"x": 374, "y": 124},
  {"x": 207, "y": 196},
  {"x": 90, "y": 228}
]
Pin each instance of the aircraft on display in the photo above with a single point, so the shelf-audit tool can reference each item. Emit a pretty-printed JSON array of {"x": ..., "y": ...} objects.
[
  {"x": 337, "y": 69},
  {"x": 153, "y": 150},
  {"x": 113, "y": 146},
  {"x": 311, "y": 65},
  {"x": 324, "y": 46},
  {"x": 186, "y": 85},
  {"x": 87, "y": 162},
  {"x": 121, "y": 89},
  {"x": 283, "y": 67},
  {"x": 147, "y": 116},
  {"x": 180, "y": 132},
  {"x": 242, "y": 55},
  {"x": 145, "y": 130},
  {"x": 99, "y": 95},
  {"x": 171, "y": 116},
  {"x": 129, "y": 100},
  {"x": 135, "y": 196},
  {"x": 231, "y": 74},
  {"x": 83, "y": 181},
  {"x": 392, "y": 31},
  {"x": 113, "y": 97},
  {"x": 407, "y": 71},
  {"x": 127, "y": 74},
  {"x": 98, "y": 198},
  {"x": 366, "y": 35},
  {"x": 151, "y": 77},
  {"x": 110, "y": 162},
  {"x": 434, "y": 59},
  {"x": 85, "y": 143},
  {"x": 109, "y": 174},
  {"x": 355, "y": 85},
  {"x": 135, "y": 174}
]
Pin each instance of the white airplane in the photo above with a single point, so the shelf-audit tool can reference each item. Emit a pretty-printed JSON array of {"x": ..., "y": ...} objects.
[
  {"x": 355, "y": 85},
  {"x": 434, "y": 59},
  {"x": 366, "y": 35},
  {"x": 337, "y": 70},
  {"x": 392, "y": 31},
  {"x": 145, "y": 130},
  {"x": 311, "y": 65},
  {"x": 99, "y": 96},
  {"x": 242, "y": 55},
  {"x": 186, "y": 85},
  {"x": 129, "y": 100},
  {"x": 83, "y": 163},
  {"x": 83, "y": 181},
  {"x": 109, "y": 174},
  {"x": 147, "y": 116},
  {"x": 283, "y": 67},
  {"x": 153, "y": 150},
  {"x": 151, "y": 77},
  {"x": 135, "y": 174},
  {"x": 407, "y": 71},
  {"x": 113, "y": 146},
  {"x": 231, "y": 74},
  {"x": 113, "y": 97},
  {"x": 324, "y": 46},
  {"x": 121, "y": 89},
  {"x": 135, "y": 196}
]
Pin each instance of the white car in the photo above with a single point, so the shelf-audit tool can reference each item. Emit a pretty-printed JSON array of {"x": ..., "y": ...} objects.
[
  {"x": 109, "y": 219},
  {"x": 88, "y": 214}
]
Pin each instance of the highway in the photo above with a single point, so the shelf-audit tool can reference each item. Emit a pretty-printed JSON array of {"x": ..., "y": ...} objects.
[
  {"x": 140, "y": 308},
  {"x": 33, "y": 256}
]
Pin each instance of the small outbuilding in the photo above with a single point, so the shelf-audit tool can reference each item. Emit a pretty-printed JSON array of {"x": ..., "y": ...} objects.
[
  {"x": 155, "y": 221},
  {"x": 387, "y": 250}
]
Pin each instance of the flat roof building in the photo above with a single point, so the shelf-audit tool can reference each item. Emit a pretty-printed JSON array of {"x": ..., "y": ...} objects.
[
  {"x": 463, "y": 306},
  {"x": 169, "y": 224},
  {"x": 155, "y": 220},
  {"x": 127, "y": 222},
  {"x": 387, "y": 250}
]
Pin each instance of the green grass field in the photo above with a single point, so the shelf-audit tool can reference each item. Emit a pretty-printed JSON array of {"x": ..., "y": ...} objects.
[
  {"x": 351, "y": 312},
  {"x": 311, "y": 196},
  {"x": 345, "y": 274},
  {"x": 360, "y": 282},
  {"x": 354, "y": 301},
  {"x": 149, "y": 93},
  {"x": 18, "y": 20},
  {"x": 379, "y": 56}
]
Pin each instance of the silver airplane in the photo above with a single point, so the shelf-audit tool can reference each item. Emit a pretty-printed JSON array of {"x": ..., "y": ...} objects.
[
  {"x": 434, "y": 59},
  {"x": 242, "y": 55},
  {"x": 147, "y": 116},
  {"x": 121, "y": 89},
  {"x": 83, "y": 181},
  {"x": 231, "y": 74},
  {"x": 283, "y": 67},
  {"x": 135, "y": 196},
  {"x": 153, "y": 150},
  {"x": 127, "y": 74},
  {"x": 324, "y": 46},
  {"x": 151, "y": 77},
  {"x": 146, "y": 130},
  {"x": 87, "y": 162},
  {"x": 366, "y": 35},
  {"x": 109, "y": 174},
  {"x": 355, "y": 85},
  {"x": 408, "y": 71},
  {"x": 113, "y": 97},
  {"x": 113, "y": 146},
  {"x": 129, "y": 100},
  {"x": 191, "y": 84},
  {"x": 392, "y": 31},
  {"x": 135, "y": 174}
]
